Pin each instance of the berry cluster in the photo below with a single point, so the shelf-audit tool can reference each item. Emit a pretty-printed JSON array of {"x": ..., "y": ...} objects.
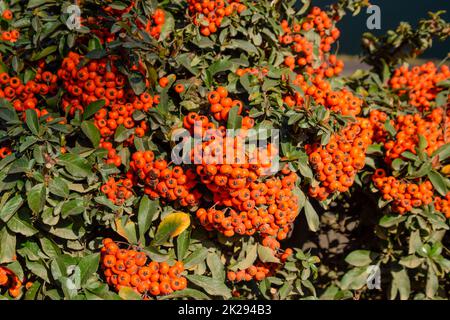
[
  {"x": 337, "y": 163},
  {"x": 409, "y": 127},
  {"x": 443, "y": 205},
  {"x": 162, "y": 181},
  {"x": 268, "y": 208},
  {"x": 11, "y": 281},
  {"x": 319, "y": 89},
  {"x": 420, "y": 83},
  {"x": 9, "y": 35},
  {"x": 302, "y": 55},
  {"x": 208, "y": 14},
  {"x": 221, "y": 104},
  {"x": 118, "y": 191},
  {"x": 405, "y": 195},
  {"x": 131, "y": 268}
]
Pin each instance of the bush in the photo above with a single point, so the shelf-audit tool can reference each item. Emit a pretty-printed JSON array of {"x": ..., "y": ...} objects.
[{"x": 96, "y": 204}]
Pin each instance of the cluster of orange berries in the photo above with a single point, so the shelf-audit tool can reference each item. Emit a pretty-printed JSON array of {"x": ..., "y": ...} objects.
[
  {"x": 11, "y": 281},
  {"x": 419, "y": 83},
  {"x": 10, "y": 35},
  {"x": 118, "y": 191},
  {"x": 405, "y": 195},
  {"x": 22, "y": 96},
  {"x": 113, "y": 157},
  {"x": 208, "y": 14},
  {"x": 268, "y": 208},
  {"x": 337, "y": 163},
  {"x": 443, "y": 205},
  {"x": 319, "y": 89},
  {"x": 155, "y": 24},
  {"x": 131, "y": 268},
  {"x": 259, "y": 271},
  {"x": 409, "y": 127},
  {"x": 221, "y": 104},
  {"x": 161, "y": 181},
  {"x": 302, "y": 49}
]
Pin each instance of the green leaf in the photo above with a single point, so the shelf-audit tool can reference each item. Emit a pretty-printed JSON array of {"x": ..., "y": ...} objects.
[
  {"x": 10, "y": 207},
  {"x": 88, "y": 266},
  {"x": 75, "y": 165},
  {"x": 432, "y": 284},
  {"x": 171, "y": 226},
  {"x": 183, "y": 242},
  {"x": 359, "y": 258},
  {"x": 216, "y": 266},
  {"x": 214, "y": 287},
  {"x": 443, "y": 152},
  {"x": 146, "y": 213},
  {"x": 42, "y": 54},
  {"x": 438, "y": 182},
  {"x": 389, "y": 221},
  {"x": 58, "y": 187},
  {"x": 400, "y": 281},
  {"x": 249, "y": 260},
  {"x": 234, "y": 119},
  {"x": 32, "y": 121},
  {"x": 72, "y": 207},
  {"x": 168, "y": 26},
  {"x": 122, "y": 133},
  {"x": 187, "y": 293},
  {"x": 195, "y": 258},
  {"x": 8, "y": 245},
  {"x": 36, "y": 198},
  {"x": 266, "y": 254},
  {"x": 92, "y": 132},
  {"x": 311, "y": 217},
  {"x": 92, "y": 108},
  {"x": 21, "y": 223},
  {"x": 354, "y": 279}
]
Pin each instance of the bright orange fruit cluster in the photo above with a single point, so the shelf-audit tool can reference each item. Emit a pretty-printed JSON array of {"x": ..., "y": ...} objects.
[
  {"x": 131, "y": 268},
  {"x": 337, "y": 163},
  {"x": 208, "y": 14},
  {"x": 419, "y": 83}
]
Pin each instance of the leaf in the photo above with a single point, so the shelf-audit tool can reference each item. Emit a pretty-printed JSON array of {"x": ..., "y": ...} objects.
[
  {"x": 32, "y": 121},
  {"x": 216, "y": 266},
  {"x": 10, "y": 207},
  {"x": 311, "y": 217},
  {"x": 49, "y": 247},
  {"x": 432, "y": 284},
  {"x": 401, "y": 281},
  {"x": 411, "y": 261},
  {"x": 438, "y": 182},
  {"x": 211, "y": 286},
  {"x": 171, "y": 226},
  {"x": 359, "y": 258},
  {"x": 92, "y": 132},
  {"x": 58, "y": 187},
  {"x": 389, "y": 221},
  {"x": 36, "y": 198},
  {"x": 21, "y": 223},
  {"x": 183, "y": 242},
  {"x": 75, "y": 165},
  {"x": 234, "y": 119},
  {"x": 92, "y": 108},
  {"x": 72, "y": 207},
  {"x": 122, "y": 134},
  {"x": 266, "y": 254},
  {"x": 168, "y": 26},
  {"x": 126, "y": 293},
  {"x": 127, "y": 229},
  {"x": 146, "y": 213},
  {"x": 354, "y": 279},
  {"x": 42, "y": 54},
  {"x": 88, "y": 266},
  {"x": 8, "y": 246},
  {"x": 187, "y": 293},
  {"x": 196, "y": 257},
  {"x": 250, "y": 258}
]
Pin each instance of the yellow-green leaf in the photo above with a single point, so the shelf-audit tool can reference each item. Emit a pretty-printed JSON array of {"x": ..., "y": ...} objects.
[{"x": 171, "y": 226}]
